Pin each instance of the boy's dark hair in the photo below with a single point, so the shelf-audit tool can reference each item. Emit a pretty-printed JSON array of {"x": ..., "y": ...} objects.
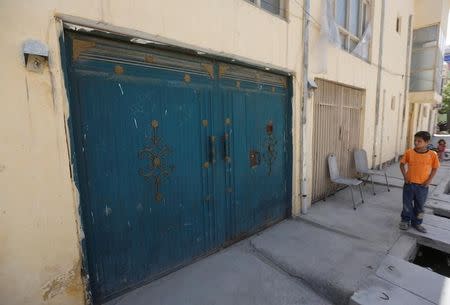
[
  {"x": 424, "y": 135},
  {"x": 442, "y": 140}
]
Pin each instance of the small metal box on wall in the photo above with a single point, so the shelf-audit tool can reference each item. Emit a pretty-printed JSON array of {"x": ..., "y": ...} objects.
[{"x": 35, "y": 55}]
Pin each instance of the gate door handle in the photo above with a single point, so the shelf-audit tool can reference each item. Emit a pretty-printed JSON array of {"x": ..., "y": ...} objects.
[
  {"x": 212, "y": 149},
  {"x": 226, "y": 147}
]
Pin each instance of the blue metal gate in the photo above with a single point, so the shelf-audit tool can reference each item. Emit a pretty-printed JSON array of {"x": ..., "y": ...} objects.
[{"x": 176, "y": 156}]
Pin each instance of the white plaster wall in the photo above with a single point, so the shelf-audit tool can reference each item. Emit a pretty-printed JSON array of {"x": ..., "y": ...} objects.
[
  {"x": 39, "y": 255},
  {"x": 393, "y": 80},
  {"x": 428, "y": 12}
]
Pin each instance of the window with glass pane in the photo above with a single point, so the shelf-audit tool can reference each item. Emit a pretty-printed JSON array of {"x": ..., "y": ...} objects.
[
  {"x": 423, "y": 59},
  {"x": 272, "y": 6},
  {"x": 422, "y": 81},
  {"x": 426, "y": 60},
  {"x": 341, "y": 12},
  {"x": 425, "y": 36},
  {"x": 354, "y": 17}
]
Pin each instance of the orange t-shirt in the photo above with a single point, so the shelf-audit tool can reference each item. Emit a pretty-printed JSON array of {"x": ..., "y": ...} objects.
[{"x": 419, "y": 165}]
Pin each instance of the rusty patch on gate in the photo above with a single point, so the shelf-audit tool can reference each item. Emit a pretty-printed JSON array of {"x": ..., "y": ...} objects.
[
  {"x": 209, "y": 68},
  {"x": 223, "y": 68},
  {"x": 118, "y": 70},
  {"x": 80, "y": 46},
  {"x": 149, "y": 59}
]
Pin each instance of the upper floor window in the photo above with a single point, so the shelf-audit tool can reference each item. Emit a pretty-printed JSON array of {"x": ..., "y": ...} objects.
[
  {"x": 352, "y": 17},
  {"x": 426, "y": 59},
  {"x": 276, "y": 7}
]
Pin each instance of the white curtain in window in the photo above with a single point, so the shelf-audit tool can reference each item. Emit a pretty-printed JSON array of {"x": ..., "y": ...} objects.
[
  {"x": 362, "y": 48},
  {"x": 329, "y": 34}
]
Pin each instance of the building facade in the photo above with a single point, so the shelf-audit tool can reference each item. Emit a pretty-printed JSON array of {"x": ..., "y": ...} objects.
[
  {"x": 378, "y": 65},
  {"x": 430, "y": 30},
  {"x": 138, "y": 136},
  {"x": 194, "y": 78}
]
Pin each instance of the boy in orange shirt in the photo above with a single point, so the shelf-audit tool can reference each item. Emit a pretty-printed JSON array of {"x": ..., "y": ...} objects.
[{"x": 422, "y": 166}]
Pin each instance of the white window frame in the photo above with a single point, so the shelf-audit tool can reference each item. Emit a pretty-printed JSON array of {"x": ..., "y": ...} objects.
[
  {"x": 345, "y": 31},
  {"x": 283, "y": 8}
]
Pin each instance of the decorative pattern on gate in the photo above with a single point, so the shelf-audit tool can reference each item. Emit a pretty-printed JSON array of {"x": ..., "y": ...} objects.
[
  {"x": 270, "y": 143},
  {"x": 157, "y": 152}
]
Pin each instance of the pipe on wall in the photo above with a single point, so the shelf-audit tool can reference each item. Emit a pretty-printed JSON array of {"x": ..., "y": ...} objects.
[
  {"x": 305, "y": 199},
  {"x": 406, "y": 88},
  {"x": 378, "y": 93}
]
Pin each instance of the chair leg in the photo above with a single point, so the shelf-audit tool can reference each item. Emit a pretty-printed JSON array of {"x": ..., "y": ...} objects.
[
  {"x": 373, "y": 185},
  {"x": 361, "y": 192},
  {"x": 326, "y": 195},
  {"x": 353, "y": 197},
  {"x": 387, "y": 182}
]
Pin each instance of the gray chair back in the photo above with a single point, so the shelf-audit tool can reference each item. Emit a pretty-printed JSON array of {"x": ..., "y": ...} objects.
[
  {"x": 362, "y": 165},
  {"x": 333, "y": 167}
]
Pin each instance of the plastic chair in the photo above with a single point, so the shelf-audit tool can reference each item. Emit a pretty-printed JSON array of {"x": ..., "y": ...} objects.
[
  {"x": 337, "y": 179},
  {"x": 362, "y": 167}
]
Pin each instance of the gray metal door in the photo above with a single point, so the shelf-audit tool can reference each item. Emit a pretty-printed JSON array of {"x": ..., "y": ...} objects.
[{"x": 337, "y": 129}]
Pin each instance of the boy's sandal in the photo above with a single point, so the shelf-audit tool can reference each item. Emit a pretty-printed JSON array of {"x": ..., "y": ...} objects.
[
  {"x": 420, "y": 228},
  {"x": 403, "y": 226}
]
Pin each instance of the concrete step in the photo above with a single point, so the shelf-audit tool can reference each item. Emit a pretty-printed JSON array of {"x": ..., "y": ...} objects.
[
  {"x": 400, "y": 282},
  {"x": 438, "y": 235},
  {"x": 415, "y": 279},
  {"x": 439, "y": 207},
  {"x": 437, "y": 221},
  {"x": 440, "y": 192},
  {"x": 404, "y": 248},
  {"x": 331, "y": 262},
  {"x": 376, "y": 291}
]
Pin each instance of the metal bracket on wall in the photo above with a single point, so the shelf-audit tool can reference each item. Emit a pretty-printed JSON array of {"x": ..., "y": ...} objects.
[{"x": 157, "y": 153}]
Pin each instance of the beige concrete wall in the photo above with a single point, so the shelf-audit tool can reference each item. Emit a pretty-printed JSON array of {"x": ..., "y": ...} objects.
[
  {"x": 393, "y": 76},
  {"x": 428, "y": 12},
  {"x": 39, "y": 254}
]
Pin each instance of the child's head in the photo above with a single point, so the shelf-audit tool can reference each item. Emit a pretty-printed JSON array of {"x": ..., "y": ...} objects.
[
  {"x": 442, "y": 142},
  {"x": 421, "y": 139}
]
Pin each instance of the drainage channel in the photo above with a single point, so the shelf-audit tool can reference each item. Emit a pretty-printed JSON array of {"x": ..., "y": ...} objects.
[{"x": 432, "y": 259}]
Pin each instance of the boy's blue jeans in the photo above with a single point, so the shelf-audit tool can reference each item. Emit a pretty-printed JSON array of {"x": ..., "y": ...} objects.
[{"x": 414, "y": 197}]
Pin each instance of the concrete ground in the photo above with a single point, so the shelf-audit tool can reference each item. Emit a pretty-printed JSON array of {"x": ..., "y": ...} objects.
[
  {"x": 236, "y": 275},
  {"x": 321, "y": 258}
]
